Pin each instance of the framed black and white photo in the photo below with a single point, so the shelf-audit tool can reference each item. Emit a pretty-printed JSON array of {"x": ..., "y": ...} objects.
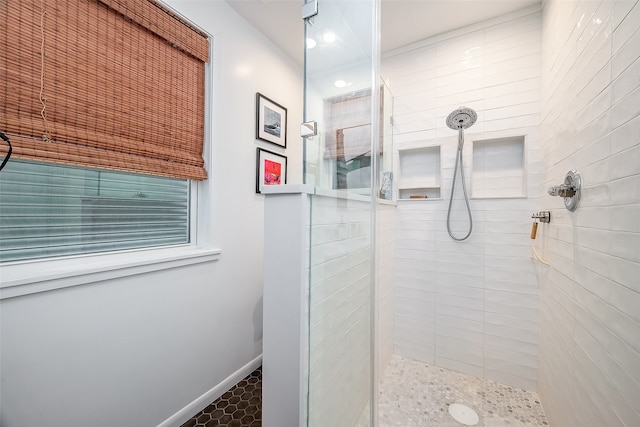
[
  {"x": 271, "y": 169},
  {"x": 271, "y": 121}
]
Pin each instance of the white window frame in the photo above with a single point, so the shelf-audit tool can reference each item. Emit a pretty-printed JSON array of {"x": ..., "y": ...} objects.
[{"x": 39, "y": 275}]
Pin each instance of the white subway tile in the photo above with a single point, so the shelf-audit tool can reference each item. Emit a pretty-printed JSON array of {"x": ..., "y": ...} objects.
[
  {"x": 510, "y": 29},
  {"x": 456, "y": 322},
  {"x": 509, "y": 344},
  {"x": 623, "y": 368},
  {"x": 626, "y": 300},
  {"x": 414, "y": 294},
  {"x": 453, "y": 267},
  {"x": 424, "y": 330},
  {"x": 626, "y": 81},
  {"x": 414, "y": 309},
  {"x": 459, "y": 349},
  {"x": 460, "y": 312},
  {"x": 458, "y": 365},
  {"x": 627, "y": 108},
  {"x": 626, "y": 273},
  {"x": 462, "y": 280},
  {"x": 598, "y": 262},
  {"x": 510, "y": 298},
  {"x": 416, "y": 337},
  {"x": 498, "y": 52},
  {"x": 625, "y": 136},
  {"x": 625, "y": 55},
  {"x": 412, "y": 254},
  {"x": 593, "y": 282},
  {"x": 626, "y": 245},
  {"x": 530, "y": 63},
  {"x": 622, "y": 406},
  {"x": 625, "y": 218},
  {"x": 527, "y": 335},
  {"x": 620, "y": 11},
  {"x": 592, "y": 389},
  {"x": 512, "y": 286},
  {"x": 458, "y": 301},
  {"x": 521, "y": 275},
  {"x": 452, "y": 332},
  {"x": 422, "y": 354},
  {"x": 626, "y": 328},
  {"x": 508, "y": 250},
  {"x": 509, "y": 309},
  {"x": 626, "y": 27},
  {"x": 410, "y": 264}
]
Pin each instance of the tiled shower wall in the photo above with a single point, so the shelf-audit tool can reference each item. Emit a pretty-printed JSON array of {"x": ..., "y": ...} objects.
[
  {"x": 471, "y": 306},
  {"x": 385, "y": 269},
  {"x": 340, "y": 315},
  {"x": 590, "y": 295}
]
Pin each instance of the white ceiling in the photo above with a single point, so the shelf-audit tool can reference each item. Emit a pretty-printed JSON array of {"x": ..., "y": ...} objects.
[{"x": 403, "y": 21}]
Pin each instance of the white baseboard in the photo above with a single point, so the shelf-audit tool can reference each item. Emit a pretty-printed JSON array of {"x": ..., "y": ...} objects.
[{"x": 186, "y": 413}]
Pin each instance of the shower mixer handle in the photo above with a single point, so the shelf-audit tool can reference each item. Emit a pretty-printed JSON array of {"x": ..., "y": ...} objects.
[
  {"x": 562, "y": 190},
  {"x": 570, "y": 189}
]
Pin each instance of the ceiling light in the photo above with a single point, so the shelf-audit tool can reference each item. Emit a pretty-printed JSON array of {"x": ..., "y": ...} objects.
[
  {"x": 341, "y": 83},
  {"x": 311, "y": 43}
]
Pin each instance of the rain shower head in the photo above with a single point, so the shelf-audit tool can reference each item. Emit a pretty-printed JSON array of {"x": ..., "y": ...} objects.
[{"x": 462, "y": 118}]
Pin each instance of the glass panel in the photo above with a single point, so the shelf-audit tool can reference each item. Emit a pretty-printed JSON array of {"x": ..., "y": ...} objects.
[
  {"x": 50, "y": 210},
  {"x": 338, "y": 95},
  {"x": 340, "y": 162}
]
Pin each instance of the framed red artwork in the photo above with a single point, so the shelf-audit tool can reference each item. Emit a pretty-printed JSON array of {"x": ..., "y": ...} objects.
[{"x": 271, "y": 169}]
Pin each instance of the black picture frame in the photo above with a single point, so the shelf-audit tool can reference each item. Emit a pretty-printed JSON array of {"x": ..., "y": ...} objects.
[
  {"x": 272, "y": 173},
  {"x": 271, "y": 121}
]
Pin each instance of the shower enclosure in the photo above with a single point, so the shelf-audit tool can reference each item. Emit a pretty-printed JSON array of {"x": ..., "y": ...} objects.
[
  {"x": 378, "y": 286},
  {"x": 343, "y": 95},
  {"x": 476, "y": 322}
]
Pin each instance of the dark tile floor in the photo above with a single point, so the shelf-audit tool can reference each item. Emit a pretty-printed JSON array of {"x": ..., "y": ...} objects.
[{"x": 239, "y": 407}]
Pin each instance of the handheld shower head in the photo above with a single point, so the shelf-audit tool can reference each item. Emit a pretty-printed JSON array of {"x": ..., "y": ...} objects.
[
  {"x": 459, "y": 120},
  {"x": 462, "y": 118}
]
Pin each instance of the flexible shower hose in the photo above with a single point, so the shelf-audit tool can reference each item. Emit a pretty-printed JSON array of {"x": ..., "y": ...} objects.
[{"x": 464, "y": 189}]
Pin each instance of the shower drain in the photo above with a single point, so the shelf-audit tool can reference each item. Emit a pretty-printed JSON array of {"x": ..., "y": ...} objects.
[{"x": 463, "y": 414}]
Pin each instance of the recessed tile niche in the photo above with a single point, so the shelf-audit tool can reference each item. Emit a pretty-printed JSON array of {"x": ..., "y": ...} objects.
[
  {"x": 498, "y": 168},
  {"x": 420, "y": 173}
]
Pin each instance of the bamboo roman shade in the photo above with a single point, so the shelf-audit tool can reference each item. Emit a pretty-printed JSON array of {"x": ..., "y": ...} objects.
[{"x": 110, "y": 84}]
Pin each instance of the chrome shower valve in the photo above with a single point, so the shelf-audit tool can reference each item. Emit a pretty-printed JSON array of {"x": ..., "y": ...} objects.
[{"x": 570, "y": 190}]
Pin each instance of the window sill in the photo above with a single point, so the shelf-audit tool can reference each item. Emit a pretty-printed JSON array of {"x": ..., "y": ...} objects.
[{"x": 24, "y": 278}]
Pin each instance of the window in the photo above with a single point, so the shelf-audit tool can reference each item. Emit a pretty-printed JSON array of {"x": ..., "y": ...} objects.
[
  {"x": 52, "y": 210},
  {"x": 105, "y": 108}
]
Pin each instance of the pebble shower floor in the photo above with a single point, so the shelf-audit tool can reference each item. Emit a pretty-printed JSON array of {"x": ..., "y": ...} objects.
[{"x": 414, "y": 394}]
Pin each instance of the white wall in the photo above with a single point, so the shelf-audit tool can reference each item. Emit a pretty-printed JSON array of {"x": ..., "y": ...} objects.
[
  {"x": 469, "y": 306},
  {"x": 590, "y": 295},
  {"x": 136, "y": 350}
]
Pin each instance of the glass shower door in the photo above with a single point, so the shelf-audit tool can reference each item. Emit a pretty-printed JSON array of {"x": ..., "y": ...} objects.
[{"x": 341, "y": 66}]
